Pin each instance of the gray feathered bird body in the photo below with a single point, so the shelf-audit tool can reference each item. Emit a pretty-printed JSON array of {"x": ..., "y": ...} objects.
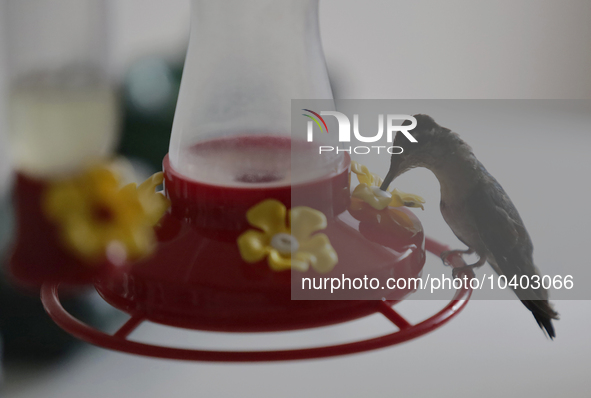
[
  {"x": 486, "y": 221},
  {"x": 476, "y": 208}
]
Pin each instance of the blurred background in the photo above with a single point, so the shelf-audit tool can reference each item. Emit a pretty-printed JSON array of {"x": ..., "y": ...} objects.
[{"x": 124, "y": 59}]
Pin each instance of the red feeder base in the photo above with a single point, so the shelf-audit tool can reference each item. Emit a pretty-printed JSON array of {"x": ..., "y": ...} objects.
[
  {"x": 197, "y": 279},
  {"x": 119, "y": 341}
]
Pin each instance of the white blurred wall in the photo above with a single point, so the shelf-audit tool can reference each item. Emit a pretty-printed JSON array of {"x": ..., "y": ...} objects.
[{"x": 460, "y": 48}]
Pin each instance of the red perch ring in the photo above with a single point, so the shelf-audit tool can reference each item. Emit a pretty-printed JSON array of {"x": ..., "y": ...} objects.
[{"x": 119, "y": 342}]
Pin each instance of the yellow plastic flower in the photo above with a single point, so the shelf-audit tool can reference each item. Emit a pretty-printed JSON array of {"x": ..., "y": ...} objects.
[
  {"x": 369, "y": 191},
  {"x": 287, "y": 245},
  {"x": 92, "y": 212}
]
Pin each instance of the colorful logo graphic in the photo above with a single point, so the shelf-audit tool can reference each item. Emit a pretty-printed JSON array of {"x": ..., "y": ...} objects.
[
  {"x": 316, "y": 120},
  {"x": 388, "y": 125}
]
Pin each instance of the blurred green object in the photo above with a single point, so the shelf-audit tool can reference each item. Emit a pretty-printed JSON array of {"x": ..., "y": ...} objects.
[{"x": 150, "y": 92}]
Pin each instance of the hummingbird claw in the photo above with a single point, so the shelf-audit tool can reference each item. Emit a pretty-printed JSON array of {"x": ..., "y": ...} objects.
[
  {"x": 445, "y": 256},
  {"x": 466, "y": 268}
]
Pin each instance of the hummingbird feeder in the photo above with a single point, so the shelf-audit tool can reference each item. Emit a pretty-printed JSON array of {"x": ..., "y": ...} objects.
[{"x": 247, "y": 210}]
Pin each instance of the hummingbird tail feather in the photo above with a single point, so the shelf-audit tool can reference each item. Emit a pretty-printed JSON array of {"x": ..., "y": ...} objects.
[{"x": 543, "y": 313}]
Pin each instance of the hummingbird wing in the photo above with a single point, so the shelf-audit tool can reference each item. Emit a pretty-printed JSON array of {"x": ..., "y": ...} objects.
[{"x": 510, "y": 250}]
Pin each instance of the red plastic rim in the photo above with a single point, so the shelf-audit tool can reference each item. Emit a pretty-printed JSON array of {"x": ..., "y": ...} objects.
[{"x": 119, "y": 342}]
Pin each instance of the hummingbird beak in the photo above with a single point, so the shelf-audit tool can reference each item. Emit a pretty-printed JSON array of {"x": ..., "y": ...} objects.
[{"x": 392, "y": 173}]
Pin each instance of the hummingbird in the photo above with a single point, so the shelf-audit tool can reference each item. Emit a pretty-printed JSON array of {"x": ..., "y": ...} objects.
[{"x": 477, "y": 209}]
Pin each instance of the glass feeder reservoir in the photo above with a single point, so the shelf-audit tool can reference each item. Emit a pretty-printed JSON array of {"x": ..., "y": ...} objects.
[
  {"x": 62, "y": 105},
  {"x": 245, "y": 64}
]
